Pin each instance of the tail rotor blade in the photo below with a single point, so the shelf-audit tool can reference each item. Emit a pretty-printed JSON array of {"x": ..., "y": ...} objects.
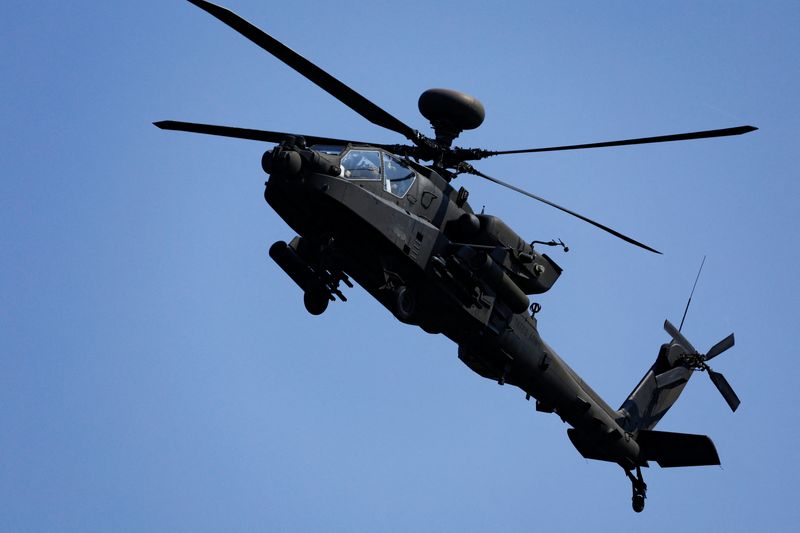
[
  {"x": 720, "y": 347},
  {"x": 673, "y": 377},
  {"x": 725, "y": 389},
  {"x": 678, "y": 336}
]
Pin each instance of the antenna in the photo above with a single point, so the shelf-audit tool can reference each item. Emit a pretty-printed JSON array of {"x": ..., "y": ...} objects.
[{"x": 692, "y": 293}]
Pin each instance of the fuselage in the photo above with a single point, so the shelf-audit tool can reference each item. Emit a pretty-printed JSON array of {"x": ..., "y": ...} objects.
[{"x": 413, "y": 242}]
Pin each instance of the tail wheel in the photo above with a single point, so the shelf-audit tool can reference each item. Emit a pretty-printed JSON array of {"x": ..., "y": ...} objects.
[
  {"x": 639, "y": 489},
  {"x": 638, "y": 502},
  {"x": 316, "y": 302}
]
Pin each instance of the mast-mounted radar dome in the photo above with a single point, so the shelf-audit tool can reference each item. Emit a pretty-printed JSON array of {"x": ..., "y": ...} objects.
[{"x": 450, "y": 112}]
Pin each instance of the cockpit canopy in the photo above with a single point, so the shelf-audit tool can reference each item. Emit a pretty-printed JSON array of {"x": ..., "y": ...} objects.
[{"x": 371, "y": 164}]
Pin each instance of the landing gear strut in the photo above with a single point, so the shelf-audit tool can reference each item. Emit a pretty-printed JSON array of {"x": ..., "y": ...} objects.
[{"x": 639, "y": 489}]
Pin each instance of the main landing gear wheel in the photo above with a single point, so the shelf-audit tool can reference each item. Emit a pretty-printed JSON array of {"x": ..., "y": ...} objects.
[
  {"x": 405, "y": 306},
  {"x": 639, "y": 489},
  {"x": 316, "y": 302}
]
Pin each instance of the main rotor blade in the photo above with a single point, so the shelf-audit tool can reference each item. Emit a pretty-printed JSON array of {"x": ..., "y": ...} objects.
[
  {"x": 720, "y": 347},
  {"x": 564, "y": 209},
  {"x": 725, "y": 389},
  {"x": 739, "y": 130},
  {"x": 244, "y": 133},
  {"x": 678, "y": 336},
  {"x": 333, "y": 86}
]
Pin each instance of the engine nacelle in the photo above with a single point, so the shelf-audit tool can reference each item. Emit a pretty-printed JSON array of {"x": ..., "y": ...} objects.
[
  {"x": 495, "y": 277},
  {"x": 532, "y": 272}
]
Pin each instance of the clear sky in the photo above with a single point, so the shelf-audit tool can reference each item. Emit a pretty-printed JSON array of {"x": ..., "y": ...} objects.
[{"x": 159, "y": 373}]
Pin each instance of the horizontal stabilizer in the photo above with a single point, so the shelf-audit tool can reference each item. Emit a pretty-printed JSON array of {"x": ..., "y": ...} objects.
[
  {"x": 594, "y": 446},
  {"x": 677, "y": 449}
]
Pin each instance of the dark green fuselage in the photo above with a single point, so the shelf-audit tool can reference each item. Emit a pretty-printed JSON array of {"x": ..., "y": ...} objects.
[{"x": 423, "y": 241}]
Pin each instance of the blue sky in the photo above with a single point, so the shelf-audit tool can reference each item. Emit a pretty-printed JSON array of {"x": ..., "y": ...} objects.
[{"x": 159, "y": 373}]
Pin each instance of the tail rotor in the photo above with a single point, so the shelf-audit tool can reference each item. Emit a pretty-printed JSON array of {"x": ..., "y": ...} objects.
[
  {"x": 692, "y": 360},
  {"x": 724, "y": 388}
]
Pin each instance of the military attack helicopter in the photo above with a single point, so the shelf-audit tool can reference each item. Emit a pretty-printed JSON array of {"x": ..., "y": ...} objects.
[{"x": 375, "y": 214}]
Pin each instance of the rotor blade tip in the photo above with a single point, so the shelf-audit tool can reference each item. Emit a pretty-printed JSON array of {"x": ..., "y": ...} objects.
[{"x": 165, "y": 124}]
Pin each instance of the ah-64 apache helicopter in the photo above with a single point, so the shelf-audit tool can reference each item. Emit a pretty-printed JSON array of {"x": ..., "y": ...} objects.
[{"x": 374, "y": 213}]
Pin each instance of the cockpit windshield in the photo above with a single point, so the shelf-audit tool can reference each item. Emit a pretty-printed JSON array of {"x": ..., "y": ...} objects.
[
  {"x": 399, "y": 176},
  {"x": 362, "y": 165}
]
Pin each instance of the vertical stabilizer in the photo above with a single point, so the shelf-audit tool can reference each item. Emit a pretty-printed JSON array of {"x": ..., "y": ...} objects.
[
  {"x": 663, "y": 383},
  {"x": 651, "y": 399}
]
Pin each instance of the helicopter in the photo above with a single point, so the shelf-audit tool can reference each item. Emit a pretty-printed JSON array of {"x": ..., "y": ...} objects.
[{"x": 388, "y": 218}]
